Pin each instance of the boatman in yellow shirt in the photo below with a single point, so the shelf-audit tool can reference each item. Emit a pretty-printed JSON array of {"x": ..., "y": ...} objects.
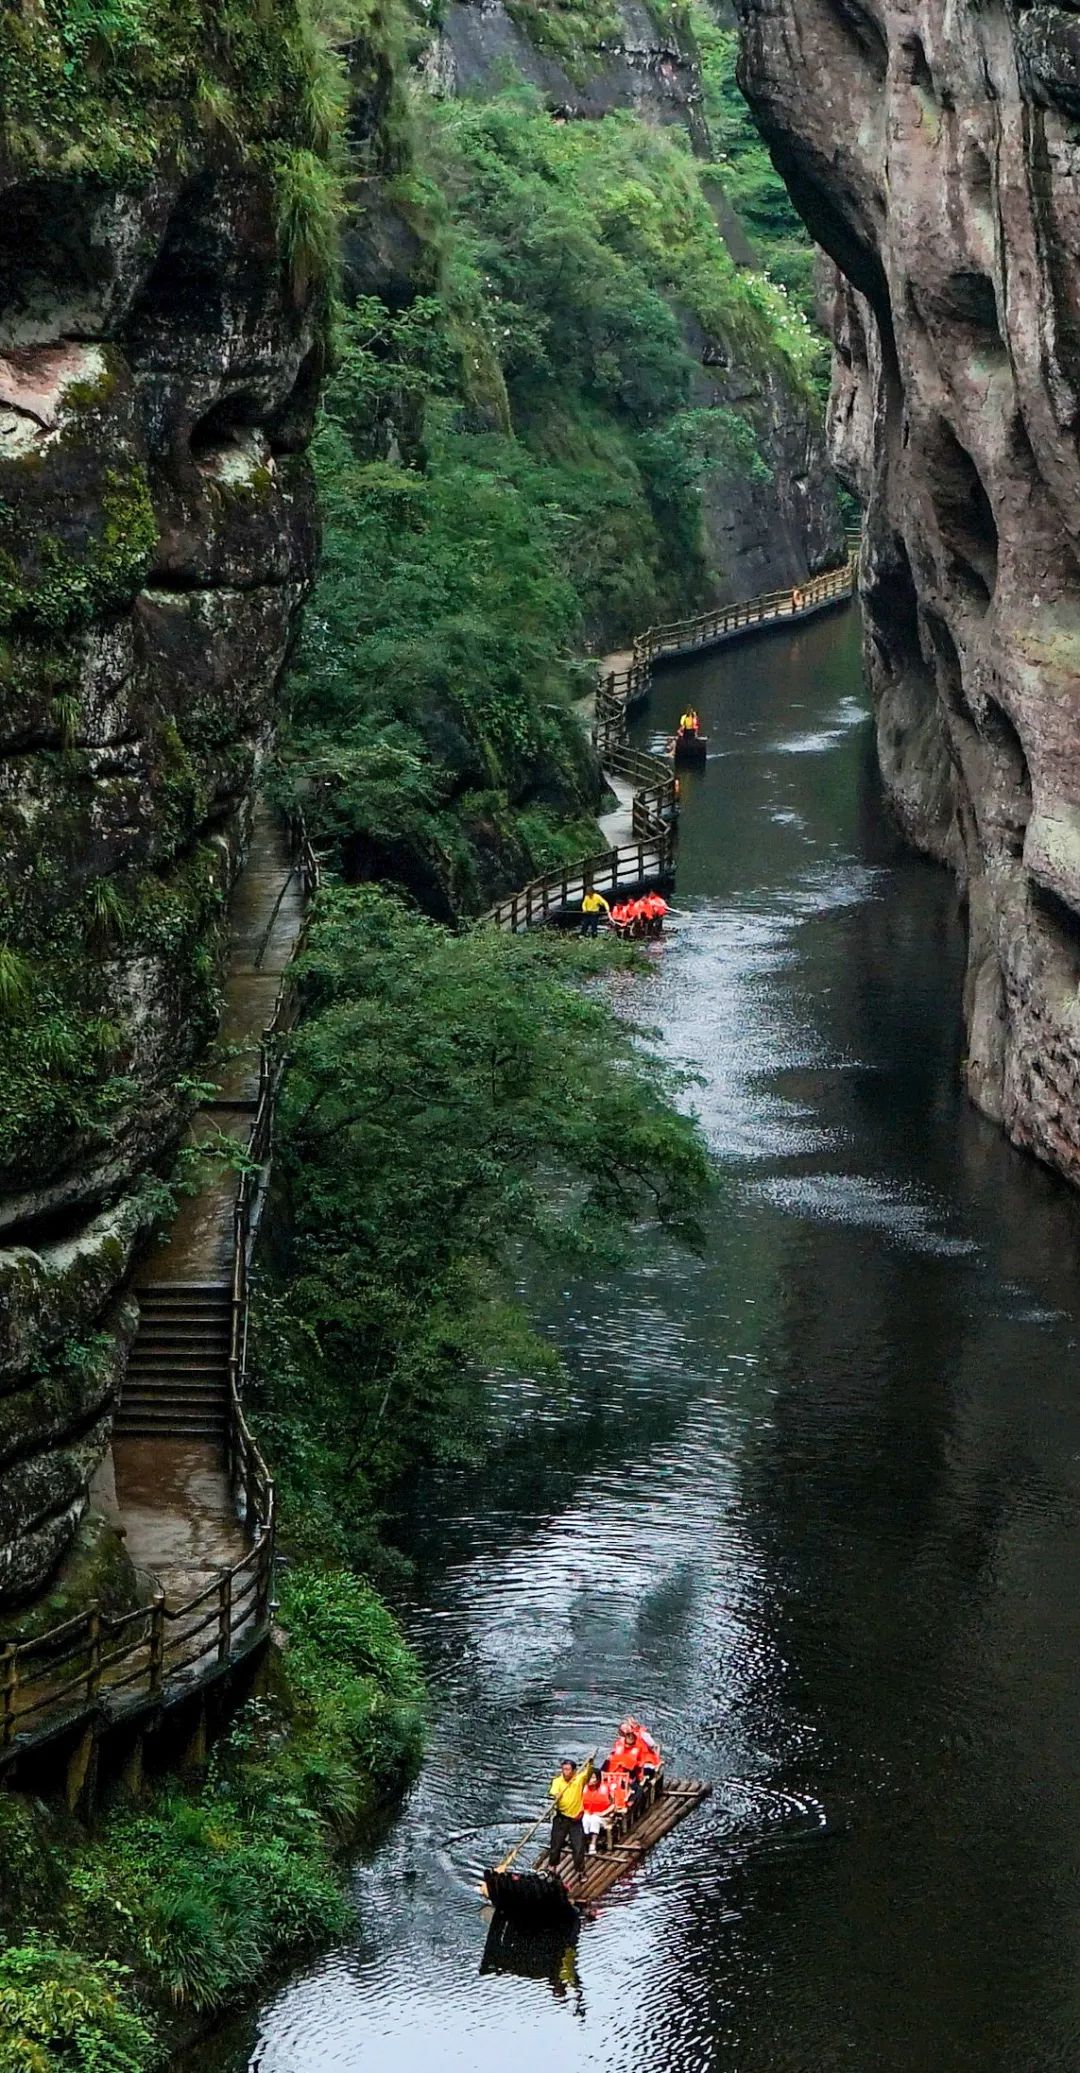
[
  {"x": 567, "y": 1793},
  {"x": 592, "y": 907}
]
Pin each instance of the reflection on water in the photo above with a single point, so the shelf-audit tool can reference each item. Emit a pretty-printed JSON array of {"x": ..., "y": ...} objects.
[{"x": 810, "y": 1507}]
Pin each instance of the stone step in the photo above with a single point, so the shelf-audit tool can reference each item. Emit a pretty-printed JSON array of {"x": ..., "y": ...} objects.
[
  {"x": 183, "y": 1291},
  {"x": 160, "y": 1385},
  {"x": 207, "y": 1381},
  {"x": 181, "y": 1346},
  {"x": 186, "y": 1306},
  {"x": 210, "y": 1402},
  {"x": 140, "y": 1427},
  {"x": 162, "y": 1396}
]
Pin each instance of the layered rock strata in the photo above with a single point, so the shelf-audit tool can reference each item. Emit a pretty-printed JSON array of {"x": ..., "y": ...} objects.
[
  {"x": 160, "y": 353},
  {"x": 933, "y": 152}
]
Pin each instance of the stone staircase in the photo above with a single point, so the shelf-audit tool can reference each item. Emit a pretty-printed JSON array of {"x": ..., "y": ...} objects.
[{"x": 177, "y": 1382}]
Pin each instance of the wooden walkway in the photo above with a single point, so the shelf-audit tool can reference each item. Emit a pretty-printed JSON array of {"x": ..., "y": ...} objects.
[{"x": 646, "y": 785}]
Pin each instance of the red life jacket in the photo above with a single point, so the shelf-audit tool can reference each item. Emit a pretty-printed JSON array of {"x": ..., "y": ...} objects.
[
  {"x": 624, "y": 1755},
  {"x": 597, "y": 1798},
  {"x": 647, "y": 1751}
]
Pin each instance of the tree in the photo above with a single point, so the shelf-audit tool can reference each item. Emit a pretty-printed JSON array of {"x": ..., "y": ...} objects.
[{"x": 450, "y": 1102}]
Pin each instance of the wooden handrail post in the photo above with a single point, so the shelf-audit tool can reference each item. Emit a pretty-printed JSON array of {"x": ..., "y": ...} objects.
[
  {"x": 157, "y": 1645},
  {"x": 9, "y": 1670},
  {"x": 93, "y": 1672},
  {"x": 225, "y": 1618}
]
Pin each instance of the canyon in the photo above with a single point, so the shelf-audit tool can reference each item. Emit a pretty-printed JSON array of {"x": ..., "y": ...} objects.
[
  {"x": 932, "y": 151},
  {"x": 163, "y": 333}
]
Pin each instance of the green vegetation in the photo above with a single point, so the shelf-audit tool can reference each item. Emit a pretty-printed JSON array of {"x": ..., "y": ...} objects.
[
  {"x": 511, "y": 471},
  {"x": 64, "y": 1054},
  {"x": 64, "y": 589},
  {"x": 180, "y": 1905},
  {"x": 744, "y": 169},
  {"x": 57, "y": 2009},
  {"x": 115, "y": 87},
  {"x": 450, "y": 1102},
  {"x": 569, "y": 30}
]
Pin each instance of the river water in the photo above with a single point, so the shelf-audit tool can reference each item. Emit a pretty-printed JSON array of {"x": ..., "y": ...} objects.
[{"x": 811, "y": 1509}]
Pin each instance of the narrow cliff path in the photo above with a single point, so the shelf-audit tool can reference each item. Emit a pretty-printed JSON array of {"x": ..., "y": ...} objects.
[{"x": 172, "y": 1488}]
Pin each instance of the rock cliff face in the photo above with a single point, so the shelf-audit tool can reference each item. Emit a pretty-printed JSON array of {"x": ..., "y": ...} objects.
[
  {"x": 933, "y": 152},
  {"x": 159, "y": 364},
  {"x": 625, "y": 54},
  {"x": 630, "y": 57}
]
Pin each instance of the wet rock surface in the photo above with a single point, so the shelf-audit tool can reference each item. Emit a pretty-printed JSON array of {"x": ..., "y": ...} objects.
[
  {"x": 638, "y": 60},
  {"x": 933, "y": 153}
]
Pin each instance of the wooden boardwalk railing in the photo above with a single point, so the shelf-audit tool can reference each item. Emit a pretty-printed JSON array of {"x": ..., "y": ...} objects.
[
  {"x": 650, "y": 858},
  {"x": 109, "y": 1668}
]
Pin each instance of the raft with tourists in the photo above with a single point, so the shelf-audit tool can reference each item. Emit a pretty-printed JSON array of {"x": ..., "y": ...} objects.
[
  {"x": 690, "y": 744},
  {"x": 607, "y": 1818}
]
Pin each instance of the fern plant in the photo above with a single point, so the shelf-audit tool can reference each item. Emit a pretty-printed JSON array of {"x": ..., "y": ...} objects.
[{"x": 16, "y": 982}]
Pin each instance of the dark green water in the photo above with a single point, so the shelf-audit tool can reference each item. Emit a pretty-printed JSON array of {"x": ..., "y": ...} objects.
[{"x": 812, "y": 1511}]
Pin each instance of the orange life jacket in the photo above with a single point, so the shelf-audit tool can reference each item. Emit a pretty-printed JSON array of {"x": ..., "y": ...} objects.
[
  {"x": 646, "y": 1750},
  {"x": 597, "y": 1798}
]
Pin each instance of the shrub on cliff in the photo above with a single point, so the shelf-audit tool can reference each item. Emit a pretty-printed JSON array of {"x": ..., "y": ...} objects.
[{"x": 61, "y": 2013}]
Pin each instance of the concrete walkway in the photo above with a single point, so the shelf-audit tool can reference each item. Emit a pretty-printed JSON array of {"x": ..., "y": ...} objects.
[
  {"x": 617, "y": 825},
  {"x": 177, "y": 1512}
]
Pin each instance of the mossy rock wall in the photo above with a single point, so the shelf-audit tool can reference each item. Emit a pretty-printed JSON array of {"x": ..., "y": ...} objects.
[{"x": 165, "y": 218}]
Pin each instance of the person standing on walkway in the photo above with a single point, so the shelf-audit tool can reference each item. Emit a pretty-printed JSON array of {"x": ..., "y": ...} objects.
[
  {"x": 592, "y": 907},
  {"x": 567, "y": 1794}
]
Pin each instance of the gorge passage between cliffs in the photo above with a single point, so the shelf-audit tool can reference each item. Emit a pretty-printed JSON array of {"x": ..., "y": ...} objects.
[{"x": 811, "y": 1509}]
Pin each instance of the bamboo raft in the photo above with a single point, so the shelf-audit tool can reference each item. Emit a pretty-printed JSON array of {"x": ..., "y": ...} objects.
[
  {"x": 691, "y": 748},
  {"x": 543, "y": 1897}
]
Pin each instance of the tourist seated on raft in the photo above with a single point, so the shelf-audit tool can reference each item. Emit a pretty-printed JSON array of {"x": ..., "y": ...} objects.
[
  {"x": 598, "y": 1811},
  {"x": 634, "y": 1748},
  {"x": 620, "y": 918},
  {"x": 634, "y": 1759},
  {"x": 655, "y": 908}
]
